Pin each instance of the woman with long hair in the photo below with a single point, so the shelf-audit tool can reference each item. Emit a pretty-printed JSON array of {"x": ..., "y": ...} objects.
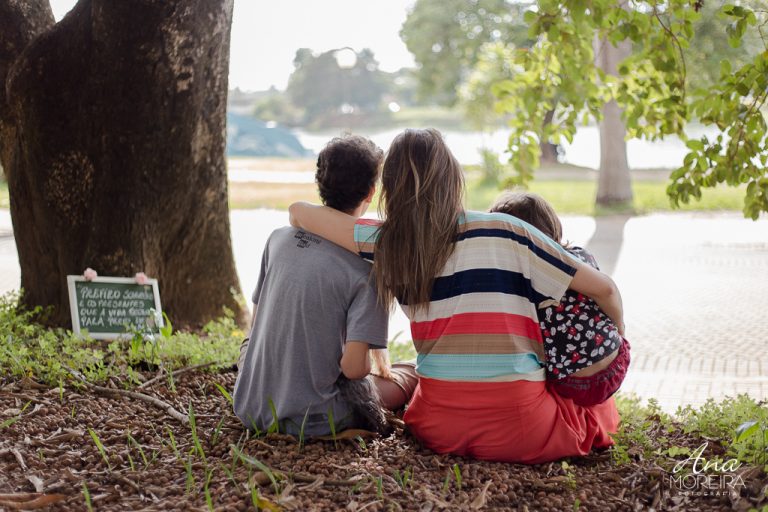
[{"x": 470, "y": 284}]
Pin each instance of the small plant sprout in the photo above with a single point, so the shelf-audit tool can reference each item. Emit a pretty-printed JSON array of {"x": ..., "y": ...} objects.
[
  {"x": 197, "y": 446},
  {"x": 132, "y": 441},
  {"x": 230, "y": 475},
  {"x": 379, "y": 481},
  {"x": 171, "y": 382},
  {"x": 255, "y": 498},
  {"x": 258, "y": 465},
  {"x": 240, "y": 443},
  {"x": 206, "y": 488},
  {"x": 10, "y": 421},
  {"x": 100, "y": 447},
  {"x": 457, "y": 475},
  {"x": 446, "y": 483},
  {"x": 254, "y": 428},
  {"x": 167, "y": 327},
  {"x": 332, "y": 425},
  {"x": 217, "y": 432},
  {"x": 190, "y": 475},
  {"x": 274, "y": 428},
  {"x": 570, "y": 475},
  {"x": 301, "y": 430},
  {"x": 174, "y": 447},
  {"x": 87, "y": 496},
  {"x": 130, "y": 461},
  {"x": 224, "y": 393},
  {"x": 404, "y": 479},
  {"x": 361, "y": 443}
]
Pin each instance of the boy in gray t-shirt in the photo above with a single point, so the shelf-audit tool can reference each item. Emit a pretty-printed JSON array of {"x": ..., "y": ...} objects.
[{"x": 315, "y": 310}]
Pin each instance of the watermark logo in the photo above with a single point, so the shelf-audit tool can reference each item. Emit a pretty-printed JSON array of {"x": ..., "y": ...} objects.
[{"x": 696, "y": 476}]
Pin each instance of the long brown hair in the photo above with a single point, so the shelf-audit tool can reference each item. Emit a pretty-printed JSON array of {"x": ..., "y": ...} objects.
[{"x": 421, "y": 201}]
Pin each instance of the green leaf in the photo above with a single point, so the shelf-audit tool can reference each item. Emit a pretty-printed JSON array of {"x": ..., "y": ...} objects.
[
  {"x": 746, "y": 430},
  {"x": 166, "y": 330},
  {"x": 224, "y": 393},
  {"x": 725, "y": 67}
]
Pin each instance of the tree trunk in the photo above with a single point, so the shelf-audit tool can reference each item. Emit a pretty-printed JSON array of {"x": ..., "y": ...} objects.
[
  {"x": 112, "y": 138},
  {"x": 549, "y": 151},
  {"x": 614, "y": 186}
]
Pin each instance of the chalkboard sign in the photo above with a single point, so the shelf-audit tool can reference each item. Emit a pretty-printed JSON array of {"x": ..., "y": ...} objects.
[{"x": 105, "y": 305}]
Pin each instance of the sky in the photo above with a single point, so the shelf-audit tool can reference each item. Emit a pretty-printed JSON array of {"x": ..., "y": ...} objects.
[{"x": 266, "y": 35}]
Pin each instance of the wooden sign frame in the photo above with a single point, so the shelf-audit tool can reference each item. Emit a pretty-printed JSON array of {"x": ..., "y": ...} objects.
[{"x": 75, "y": 310}]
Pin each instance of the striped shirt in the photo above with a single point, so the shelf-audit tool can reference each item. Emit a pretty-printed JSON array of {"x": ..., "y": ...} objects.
[{"x": 481, "y": 324}]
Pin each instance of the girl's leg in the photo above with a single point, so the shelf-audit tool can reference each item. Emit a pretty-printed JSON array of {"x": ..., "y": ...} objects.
[{"x": 397, "y": 391}]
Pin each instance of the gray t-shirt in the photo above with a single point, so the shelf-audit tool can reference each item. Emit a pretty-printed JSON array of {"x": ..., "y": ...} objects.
[{"x": 312, "y": 296}]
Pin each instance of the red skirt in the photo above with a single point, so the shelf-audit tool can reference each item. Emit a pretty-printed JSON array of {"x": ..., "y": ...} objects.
[{"x": 517, "y": 421}]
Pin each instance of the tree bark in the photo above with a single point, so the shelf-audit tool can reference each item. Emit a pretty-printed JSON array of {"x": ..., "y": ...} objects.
[
  {"x": 549, "y": 151},
  {"x": 113, "y": 137},
  {"x": 614, "y": 185}
]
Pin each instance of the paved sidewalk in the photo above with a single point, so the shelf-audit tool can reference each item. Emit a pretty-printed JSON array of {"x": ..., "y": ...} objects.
[{"x": 694, "y": 288}]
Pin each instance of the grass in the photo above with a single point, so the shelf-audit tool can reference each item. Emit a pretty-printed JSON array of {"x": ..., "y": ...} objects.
[
  {"x": 569, "y": 195},
  {"x": 437, "y": 117},
  {"x": 32, "y": 350},
  {"x": 277, "y": 196},
  {"x": 570, "y": 189},
  {"x": 739, "y": 424},
  {"x": 4, "y": 198},
  {"x": 577, "y": 197}
]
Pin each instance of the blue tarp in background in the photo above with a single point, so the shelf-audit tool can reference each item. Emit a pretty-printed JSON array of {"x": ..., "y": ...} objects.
[{"x": 248, "y": 136}]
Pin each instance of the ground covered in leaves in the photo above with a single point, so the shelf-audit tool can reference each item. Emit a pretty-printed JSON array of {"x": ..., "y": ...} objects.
[{"x": 82, "y": 448}]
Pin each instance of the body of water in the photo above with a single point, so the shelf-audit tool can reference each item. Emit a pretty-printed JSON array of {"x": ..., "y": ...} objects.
[{"x": 583, "y": 151}]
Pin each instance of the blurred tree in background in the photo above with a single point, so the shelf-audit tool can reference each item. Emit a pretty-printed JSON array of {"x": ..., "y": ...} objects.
[
  {"x": 324, "y": 86},
  {"x": 651, "y": 87},
  {"x": 617, "y": 63},
  {"x": 446, "y": 38}
]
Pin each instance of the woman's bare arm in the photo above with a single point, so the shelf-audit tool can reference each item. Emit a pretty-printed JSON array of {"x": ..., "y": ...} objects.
[
  {"x": 333, "y": 225},
  {"x": 602, "y": 290}
]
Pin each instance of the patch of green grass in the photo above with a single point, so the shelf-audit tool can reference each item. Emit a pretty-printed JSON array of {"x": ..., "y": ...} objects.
[
  {"x": 570, "y": 189},
  {"x": 577, "y": 197},
  {"x": 739, "y": 425},
  {"x": 5, "y": 201},
  {"x": 741, "y": 422},
  {"x": 437, "y": 117},
  {"x": 30, "y": 349}
]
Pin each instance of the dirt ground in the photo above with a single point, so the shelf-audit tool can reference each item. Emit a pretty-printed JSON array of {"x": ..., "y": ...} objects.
[{"x": 50, "y": 455}]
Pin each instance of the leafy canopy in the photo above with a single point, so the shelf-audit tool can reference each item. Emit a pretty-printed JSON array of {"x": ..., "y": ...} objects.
[{"x": 559, "y": 73}]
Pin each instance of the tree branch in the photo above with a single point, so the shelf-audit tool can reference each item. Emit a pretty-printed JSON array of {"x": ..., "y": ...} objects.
[{"x": 165, "y": 406}]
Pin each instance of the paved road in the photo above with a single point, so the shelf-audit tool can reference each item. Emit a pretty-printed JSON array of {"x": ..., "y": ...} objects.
[{"x": 694, "y": 287}]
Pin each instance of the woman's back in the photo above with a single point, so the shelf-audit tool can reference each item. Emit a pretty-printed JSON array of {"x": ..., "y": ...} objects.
[{"x": 481, "y": 324}]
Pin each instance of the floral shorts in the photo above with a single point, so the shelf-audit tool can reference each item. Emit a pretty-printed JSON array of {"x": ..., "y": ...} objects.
[{"x": 576, "y": 334}]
